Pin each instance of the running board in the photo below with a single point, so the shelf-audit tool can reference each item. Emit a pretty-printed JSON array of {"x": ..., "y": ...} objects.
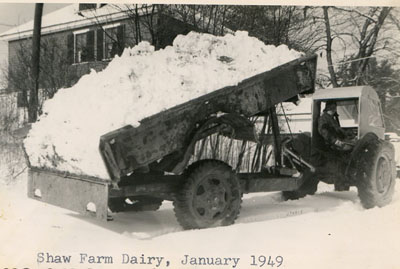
[{"x": 259, "y": 182}]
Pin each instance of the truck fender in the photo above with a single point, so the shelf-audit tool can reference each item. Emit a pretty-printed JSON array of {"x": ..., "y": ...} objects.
[{"x": 358, "y": 148}]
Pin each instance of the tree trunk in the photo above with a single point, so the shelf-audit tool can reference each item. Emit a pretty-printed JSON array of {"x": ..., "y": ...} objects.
[
  {"x": 368, "y": 45},
  {"x": 33, "y": 98},
  {"x": 329, "y": 48}
]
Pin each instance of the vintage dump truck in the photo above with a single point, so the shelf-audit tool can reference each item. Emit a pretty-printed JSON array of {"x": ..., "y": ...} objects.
[{"x": 205, "y": 153}]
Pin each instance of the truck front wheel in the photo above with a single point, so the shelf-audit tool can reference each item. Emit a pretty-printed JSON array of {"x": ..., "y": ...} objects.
[
  {"x": 210, "y": 196},
  {"x": 376, "y": 174}
]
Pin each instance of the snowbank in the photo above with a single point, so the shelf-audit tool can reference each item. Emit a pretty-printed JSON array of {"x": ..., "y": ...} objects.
[{"x": 136, "y": 85}]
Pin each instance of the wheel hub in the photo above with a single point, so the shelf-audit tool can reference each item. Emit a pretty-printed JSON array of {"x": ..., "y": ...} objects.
[{"x": 210, "y": 199}]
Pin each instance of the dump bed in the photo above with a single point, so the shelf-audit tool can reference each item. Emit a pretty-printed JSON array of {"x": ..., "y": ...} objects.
[
  {"x": 165, "y": 136},
  {"x": 169, "y": 132}
]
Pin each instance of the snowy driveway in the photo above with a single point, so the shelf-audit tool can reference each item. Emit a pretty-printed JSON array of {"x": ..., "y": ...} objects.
[{"x": 327, "y": 230}]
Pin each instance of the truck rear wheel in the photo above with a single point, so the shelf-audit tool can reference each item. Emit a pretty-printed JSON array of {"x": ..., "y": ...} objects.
[
  {"x": 210, "y": 196},
  {"x": 376, "y": 174}
]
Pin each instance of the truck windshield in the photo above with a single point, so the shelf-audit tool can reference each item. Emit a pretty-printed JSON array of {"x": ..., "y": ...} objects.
[{"x": 348, "y": 112}]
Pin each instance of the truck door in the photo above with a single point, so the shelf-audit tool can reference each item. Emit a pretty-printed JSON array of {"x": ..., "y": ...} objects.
[{"x": 371, "y": 119}]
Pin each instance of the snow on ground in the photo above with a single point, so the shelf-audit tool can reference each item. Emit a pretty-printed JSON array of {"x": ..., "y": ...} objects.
[
  {"x": 138, "y": 84},
  {"x": 327, "y": 230}
]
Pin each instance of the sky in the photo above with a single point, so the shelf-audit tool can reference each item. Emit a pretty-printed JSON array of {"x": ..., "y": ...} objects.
[{"x": 14, "y": 14}]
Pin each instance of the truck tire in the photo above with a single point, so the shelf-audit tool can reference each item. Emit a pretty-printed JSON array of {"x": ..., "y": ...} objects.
[
  {"x": 309, "y": 187},
  {"x": 376, "y": 174},
  {"x": 139, "y": 204},
  {"x": 210, "y": 196}
]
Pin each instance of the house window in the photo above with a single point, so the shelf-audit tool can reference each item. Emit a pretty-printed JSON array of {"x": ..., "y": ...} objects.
[
  {"x": 81, "y": 50},
  {"x": 83, "y": 46},
  {"x": 111, "y": 42},
  {"x": 88, "y": 45}
]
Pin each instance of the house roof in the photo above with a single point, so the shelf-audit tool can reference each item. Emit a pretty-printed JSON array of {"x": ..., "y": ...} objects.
[{"x": 67, "y": 18}]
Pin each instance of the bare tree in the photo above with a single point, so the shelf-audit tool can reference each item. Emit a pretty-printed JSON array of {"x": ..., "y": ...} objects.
[
  {"x": 329, "y": 47},
  {"x": 357, "y": 33},
  {"x": 271, "y": 24},
  {"x": 367, "y": 40}
]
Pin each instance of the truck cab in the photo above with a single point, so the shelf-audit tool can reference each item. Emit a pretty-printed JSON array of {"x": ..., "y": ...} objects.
[
  {"x": 358, "y": 108},
  {"x": 367, "y": 164}
]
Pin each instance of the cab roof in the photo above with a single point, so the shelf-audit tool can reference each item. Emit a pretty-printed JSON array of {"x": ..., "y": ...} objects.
[{"x": 345, "y": 93}]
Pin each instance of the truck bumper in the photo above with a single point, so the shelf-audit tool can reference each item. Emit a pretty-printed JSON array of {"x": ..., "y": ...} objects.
[{"x": 88, "y": 196}]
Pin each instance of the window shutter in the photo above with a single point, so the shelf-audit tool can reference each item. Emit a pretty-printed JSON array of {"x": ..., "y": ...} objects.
[
  {"x": 70, "y": 48},
  {"x": 121, "y": 39},
  {"x": 90, "y": 46},
  {"x": 100, "y": 44}
]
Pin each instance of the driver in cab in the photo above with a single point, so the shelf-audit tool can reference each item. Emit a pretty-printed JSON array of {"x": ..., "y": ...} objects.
[{"x": 329, "y": 128}]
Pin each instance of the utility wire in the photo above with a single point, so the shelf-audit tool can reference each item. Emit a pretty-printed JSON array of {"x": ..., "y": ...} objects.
[{"x": 355, "y": 60}]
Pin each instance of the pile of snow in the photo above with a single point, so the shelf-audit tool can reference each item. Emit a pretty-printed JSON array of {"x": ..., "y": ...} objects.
[{"x": 136, "y": 85}]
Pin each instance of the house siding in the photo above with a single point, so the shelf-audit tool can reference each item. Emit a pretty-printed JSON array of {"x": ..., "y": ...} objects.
[
  {"x": 61, "y": 39},
  {"x": 11, "y": 116}
]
